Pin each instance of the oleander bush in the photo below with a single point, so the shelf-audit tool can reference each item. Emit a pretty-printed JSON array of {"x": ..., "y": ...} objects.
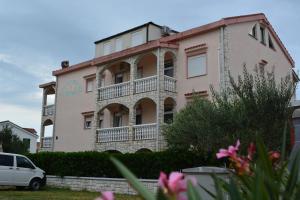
[{"x": 97, "y": 164}]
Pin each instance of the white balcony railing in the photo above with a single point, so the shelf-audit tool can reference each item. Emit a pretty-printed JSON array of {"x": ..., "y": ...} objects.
[
  {"x": 145, "y": 84},
  {"x": 170, "y": 84},
  {"x": 113, "y": 134},
  {"x": 114, "y": 91},
  {"x": 49, "y": 110},
  {"x": 47, "y": 142},
  {"x": 145, "y": 131}
]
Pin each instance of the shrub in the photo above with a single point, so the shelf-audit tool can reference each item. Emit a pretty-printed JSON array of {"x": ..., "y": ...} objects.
[
  {"x": 12, "y": 143},
  {"x": 254, "y": 104},
  {"x": 96, "y": 164}
]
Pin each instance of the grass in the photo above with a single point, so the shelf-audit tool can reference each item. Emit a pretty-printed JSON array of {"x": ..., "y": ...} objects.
[{"x": 49, "y": 193}]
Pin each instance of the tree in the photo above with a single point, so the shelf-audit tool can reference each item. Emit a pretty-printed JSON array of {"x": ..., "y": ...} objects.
[
  {"x": 12, "y": 143},
  {"x": 253, "y": 104}
]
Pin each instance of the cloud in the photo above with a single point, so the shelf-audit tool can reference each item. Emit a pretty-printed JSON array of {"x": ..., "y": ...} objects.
[{"x": 20, "y": 115}]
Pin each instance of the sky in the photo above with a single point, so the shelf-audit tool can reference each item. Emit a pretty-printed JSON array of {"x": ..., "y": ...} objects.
[{"x": 36, "y": 35}]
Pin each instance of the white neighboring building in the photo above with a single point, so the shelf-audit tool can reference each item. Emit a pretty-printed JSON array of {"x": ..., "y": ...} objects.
[{"x": 25, "y": 134}]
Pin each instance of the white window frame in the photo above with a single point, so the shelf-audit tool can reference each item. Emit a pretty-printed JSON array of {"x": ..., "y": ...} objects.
[
  {"x": 86, "y": 119},
  {"x": 107, "y": 45},
  {"x": 89, "y": 83},
  {"x": 202, "y": 55},
  {"x": 140, "y": 40},
  {"x": 119, "y": 44}
]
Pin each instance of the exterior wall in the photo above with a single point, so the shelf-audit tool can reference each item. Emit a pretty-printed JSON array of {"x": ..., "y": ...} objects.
[
  {"x": 243, "y": 48},
  {"x": 154, "y": 33},
  {"x": 148, "y": 112},
  {"x": 126, "y": 39},
  {"x": 199, "y": 83},
  {"x": 71, "y": 101},
  {"x": 116, "y": 185},
  {"x": 22, "y": 134}
]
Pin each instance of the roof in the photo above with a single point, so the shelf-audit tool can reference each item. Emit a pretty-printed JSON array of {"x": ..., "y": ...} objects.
[
  {"x": 130, "y": 30},
  {"x": 31, "y": 130},
  {"x": 47, "y": 84},
  {"x": 170, "y": 41},
  {"x": 20, "y": 128}
]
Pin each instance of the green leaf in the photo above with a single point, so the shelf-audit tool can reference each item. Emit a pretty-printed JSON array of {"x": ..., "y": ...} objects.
[
  {"x": 134, "y": 182},
  {"x": 192, "y": 192},
  {"x": 283, "y": 145},
  {"x": 233, "y": 191},
  {"x": 160, "y": 195},
  {"x": 293, "y": 177},
  {"x": 218, "y": 187}
]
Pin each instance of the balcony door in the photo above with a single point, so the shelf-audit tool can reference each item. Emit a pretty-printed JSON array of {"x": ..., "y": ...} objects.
[
  {"x": 117, "y": 119},
  {"x": 119, "y": 78}
]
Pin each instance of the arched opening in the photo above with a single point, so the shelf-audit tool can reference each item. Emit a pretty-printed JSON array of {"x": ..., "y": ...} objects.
[
  {"x": 113, "y": 152},
  {"x": 47, "y": 134},
  {"x": 115, "y": 74},
  {"x": 169, "y": 110},
  {"x": 113, "y": 115},
  {"x": 145, "y": 111},
  {"x": 144, "y": 150},
  {"x": 146, "y": 66},
  {"x": 145, "y": 120},
  {"x": 169, "y": 64}
]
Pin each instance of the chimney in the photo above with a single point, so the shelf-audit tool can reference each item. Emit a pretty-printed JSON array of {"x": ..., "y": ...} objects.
[{"x": 64, "y": 64}]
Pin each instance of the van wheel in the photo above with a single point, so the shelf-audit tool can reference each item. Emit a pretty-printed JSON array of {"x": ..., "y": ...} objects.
[{"x": 35, "y": 184}]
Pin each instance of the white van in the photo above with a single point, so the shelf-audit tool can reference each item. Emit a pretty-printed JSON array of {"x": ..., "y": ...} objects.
[{"x": 17, "y": 170}]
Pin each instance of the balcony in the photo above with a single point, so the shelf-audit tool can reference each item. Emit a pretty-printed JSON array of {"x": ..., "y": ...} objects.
[
  {"x": 145, "y": 84},
  {"x": 141, "y": 85},
  {"x": 114, "y": 91},
  {"x": 169, "y": 84},
  {"x": 119, "y": 134},
  {"x": 49, "y": 110},
  {"x": 145, "y": 131},
  {"x": 46, "y": 142},
  {"x": 115, "y": 134}
]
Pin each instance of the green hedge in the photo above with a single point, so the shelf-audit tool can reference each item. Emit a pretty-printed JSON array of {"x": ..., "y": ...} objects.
[{"x": 95, "y": 164}]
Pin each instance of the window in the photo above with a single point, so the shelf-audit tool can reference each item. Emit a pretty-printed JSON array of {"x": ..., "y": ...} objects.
[
  {"x": 117, "y": 120},
  {"x": 253, "y": 31},
  {"x": 24, "y": 163},
  {"x": 197, "y": 65},
  {"x": 6, "y": 160},
  {"x": 262, "y": 35},
  {"x": 139, "y": 72},
  {"x": 26, "y": 141},
  {"x": 138, "y": 116},
  {"x": 88, "y": 122},
  {"x": 106, "y": 48},
  {"x": 119, "y": 78},
  {"x": 89, "y": 85},
  {"x": 169, "y": 68},
  {"x": 119, "y": 44},
  {"x": 271, "y": 45},
  {"x": 168, "y": 114},
  {"x": 137, "y": 38}
]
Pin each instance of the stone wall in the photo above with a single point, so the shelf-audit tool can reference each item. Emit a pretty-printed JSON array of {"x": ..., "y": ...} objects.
[{"x": 117, "y": 185}]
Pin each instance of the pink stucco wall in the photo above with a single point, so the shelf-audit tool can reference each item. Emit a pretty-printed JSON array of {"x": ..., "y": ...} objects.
[
  {"x": 71, "y": 101},
  {"x": 246, "y": 49},
  {"x": 200, "y": 83}
]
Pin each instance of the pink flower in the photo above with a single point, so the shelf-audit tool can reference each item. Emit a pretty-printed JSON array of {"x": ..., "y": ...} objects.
[
  {"x": 230, "y": 152},
  {"x": 108, "y": 195},
  {"x": 251, "y": 151},
  {"x": 175, "y": 185}
]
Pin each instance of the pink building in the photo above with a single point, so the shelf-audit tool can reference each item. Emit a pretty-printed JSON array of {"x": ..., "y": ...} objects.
[{"x": 138, "y": 79}]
